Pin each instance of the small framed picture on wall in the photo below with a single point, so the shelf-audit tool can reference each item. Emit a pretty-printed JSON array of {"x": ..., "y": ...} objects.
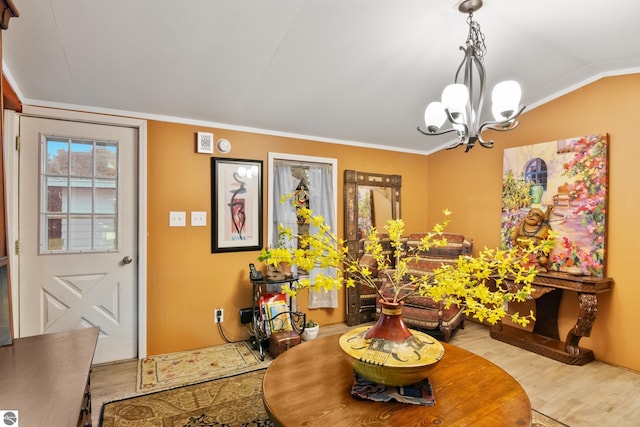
[{"x": 204, "y": 143}]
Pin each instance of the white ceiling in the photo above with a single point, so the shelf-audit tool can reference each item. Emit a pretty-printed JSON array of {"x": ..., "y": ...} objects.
[{"x": 354, "y": 71}]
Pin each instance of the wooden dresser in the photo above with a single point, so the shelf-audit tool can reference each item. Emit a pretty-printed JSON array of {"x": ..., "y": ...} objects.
[{"x": 46, "y": 378}]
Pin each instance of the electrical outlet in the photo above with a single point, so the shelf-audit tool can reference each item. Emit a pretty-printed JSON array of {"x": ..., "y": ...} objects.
[
  {"x": 218, "y": 316},
  {"x": 198, "y": 218},
  {"x": 177, "y": 219}
]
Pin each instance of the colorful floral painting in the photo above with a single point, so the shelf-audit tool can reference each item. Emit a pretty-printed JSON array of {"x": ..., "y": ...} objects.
[{"x": 568, "y": 177}]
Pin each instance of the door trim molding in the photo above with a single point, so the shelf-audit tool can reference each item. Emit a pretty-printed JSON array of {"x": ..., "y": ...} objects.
[{"x": 11, "y": 159}]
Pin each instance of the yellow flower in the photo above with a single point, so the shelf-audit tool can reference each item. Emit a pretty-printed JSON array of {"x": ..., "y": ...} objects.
[{"x": 477, "y": 284}]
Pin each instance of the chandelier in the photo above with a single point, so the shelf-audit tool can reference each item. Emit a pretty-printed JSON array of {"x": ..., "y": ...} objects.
[{"x": 462, "y": 103}]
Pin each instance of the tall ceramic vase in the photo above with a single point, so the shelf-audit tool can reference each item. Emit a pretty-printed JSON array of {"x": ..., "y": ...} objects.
[{"x": 388, "y": 352}]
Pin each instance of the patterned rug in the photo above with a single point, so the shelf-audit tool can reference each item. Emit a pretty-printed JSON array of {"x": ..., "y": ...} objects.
[
  {"x": 234, "y": 401},
  {"x": 229, "y": 402},
  {"x": 170, "y": 370}
]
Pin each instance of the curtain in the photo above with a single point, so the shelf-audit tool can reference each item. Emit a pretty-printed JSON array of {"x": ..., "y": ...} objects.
[
  {"x": 283, "y": 213},
  {"x": 321, "y": 203}
]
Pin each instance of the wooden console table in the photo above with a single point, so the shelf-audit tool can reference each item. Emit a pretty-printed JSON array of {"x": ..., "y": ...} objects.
[
  {"x": 310, "y": 385},
  {"x": 46, "y": 378},
  {"x": 545, "y": 339}
]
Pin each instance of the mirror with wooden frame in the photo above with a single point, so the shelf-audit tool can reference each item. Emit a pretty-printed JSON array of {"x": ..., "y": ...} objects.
[{"x": 370, "y": 199}]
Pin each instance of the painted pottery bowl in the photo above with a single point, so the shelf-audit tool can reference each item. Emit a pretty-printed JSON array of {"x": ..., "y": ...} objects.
[{"x": 391, "y": 363}]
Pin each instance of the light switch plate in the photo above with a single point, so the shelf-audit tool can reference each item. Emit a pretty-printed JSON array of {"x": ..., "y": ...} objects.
[
  {"x": 177, "y": 219},
  {"x": 199, "y": 219}
]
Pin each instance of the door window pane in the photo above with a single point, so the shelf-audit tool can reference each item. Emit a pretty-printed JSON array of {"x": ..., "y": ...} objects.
[
  {"x": 57, "y": 194},
  {"x": 80, "y": 233},
  {"x": 106, "y": 160},
  {"x": 105, "y": 196},
  {"x": 104, "y": 233},
  {"x": 79, "y": 200},
  {"x": 81, "y": 195},
  {"x": 56, "y": 230},
  {"x": 57, "y": 154},
  {"x": 81, "y": 158}
]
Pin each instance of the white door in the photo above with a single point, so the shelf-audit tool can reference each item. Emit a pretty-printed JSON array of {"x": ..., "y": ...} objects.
[{"x": 77, "y": 232}]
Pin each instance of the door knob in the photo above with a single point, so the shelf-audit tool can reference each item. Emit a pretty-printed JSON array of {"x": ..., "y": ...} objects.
[{"x": 127, "y": 259}]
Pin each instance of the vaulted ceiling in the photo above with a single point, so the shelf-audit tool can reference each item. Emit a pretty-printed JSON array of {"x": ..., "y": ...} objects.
[{"x": 352, "y": 71}]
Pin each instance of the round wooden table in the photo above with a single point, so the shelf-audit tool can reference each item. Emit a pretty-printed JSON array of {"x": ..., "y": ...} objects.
[{"x": 310, "y": 385}]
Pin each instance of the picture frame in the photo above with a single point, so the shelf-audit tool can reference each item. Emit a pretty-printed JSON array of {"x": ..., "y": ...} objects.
[
  {"x": 236, "y": 199},
  {"x": 204, "y": 143}
]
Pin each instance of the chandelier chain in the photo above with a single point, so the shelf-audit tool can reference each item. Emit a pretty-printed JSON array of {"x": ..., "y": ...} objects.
[{"x": 476, "y": 38}]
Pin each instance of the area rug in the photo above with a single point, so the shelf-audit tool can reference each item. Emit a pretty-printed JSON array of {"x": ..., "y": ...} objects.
[
  {"x": 234, "y": 401},
  {"x": 229, "y": 402},
  {"x": 170, "y": 370}
]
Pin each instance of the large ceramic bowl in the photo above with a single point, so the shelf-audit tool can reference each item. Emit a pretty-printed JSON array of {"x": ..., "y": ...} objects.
[{"x": 391, "y": 363}]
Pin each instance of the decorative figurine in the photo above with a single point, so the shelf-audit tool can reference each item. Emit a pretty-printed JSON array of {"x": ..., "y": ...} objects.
[{"x": 534, "y": 228}]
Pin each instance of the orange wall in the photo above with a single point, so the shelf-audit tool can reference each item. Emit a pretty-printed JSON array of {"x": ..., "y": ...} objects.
[
  {"x": 186, "y": 282},
  {"x": 473, "y": 183}
]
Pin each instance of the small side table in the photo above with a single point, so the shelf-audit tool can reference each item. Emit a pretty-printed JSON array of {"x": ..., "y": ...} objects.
[{"x": 260, "y": 333}]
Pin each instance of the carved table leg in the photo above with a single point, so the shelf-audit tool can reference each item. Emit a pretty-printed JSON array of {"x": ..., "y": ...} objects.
[{"x": 586, "y": 317}]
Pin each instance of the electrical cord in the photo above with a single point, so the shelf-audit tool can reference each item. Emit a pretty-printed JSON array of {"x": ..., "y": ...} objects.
[{"x": 224, "y": 333}]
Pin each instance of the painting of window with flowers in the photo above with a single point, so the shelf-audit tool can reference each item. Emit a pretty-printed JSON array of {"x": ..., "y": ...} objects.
[{"x": 568, "y": 179}]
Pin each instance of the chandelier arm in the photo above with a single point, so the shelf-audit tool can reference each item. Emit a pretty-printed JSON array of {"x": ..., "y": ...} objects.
[
  {"x": 462, "y": 134},
  {"x": 436, "y": 133},
  {"x": 468, "y": 82},
  {"x": 491, "y": 125},
  {"x": 504, "y": 125},
  {"x": 462, "y": 63},
  {"x": 475, "y": 121},
  {"x": 455, "y": 145},
  {"x": 512, "y": 125},
  {"x": 485, "y": 144}
]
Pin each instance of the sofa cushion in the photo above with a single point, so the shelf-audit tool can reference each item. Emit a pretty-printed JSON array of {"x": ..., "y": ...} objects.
[
  {"x": 425, "y": 313},
  {"x": 420, "y": 265},
  {"x": 456, "y": 245},
  {"x": 413, "y": 300},
  {"x": 425, "y": 317}
]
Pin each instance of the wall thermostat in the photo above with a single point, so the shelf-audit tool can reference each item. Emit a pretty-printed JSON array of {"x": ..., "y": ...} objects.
[{"x": 224, "y": 146}]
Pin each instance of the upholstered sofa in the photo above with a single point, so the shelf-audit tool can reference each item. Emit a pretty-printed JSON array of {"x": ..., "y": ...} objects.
[{"x": 422, "y": 312}]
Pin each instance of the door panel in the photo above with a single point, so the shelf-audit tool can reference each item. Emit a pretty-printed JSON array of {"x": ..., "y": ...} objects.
[{"x": 77, "y": 203}]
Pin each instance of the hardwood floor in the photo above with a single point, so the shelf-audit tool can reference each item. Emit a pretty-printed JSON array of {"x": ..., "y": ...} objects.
[{"x": 595, "y": 394}]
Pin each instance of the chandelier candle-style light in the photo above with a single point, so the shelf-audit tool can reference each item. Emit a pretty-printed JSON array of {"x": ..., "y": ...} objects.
[{"x": 462, "y": 102}]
